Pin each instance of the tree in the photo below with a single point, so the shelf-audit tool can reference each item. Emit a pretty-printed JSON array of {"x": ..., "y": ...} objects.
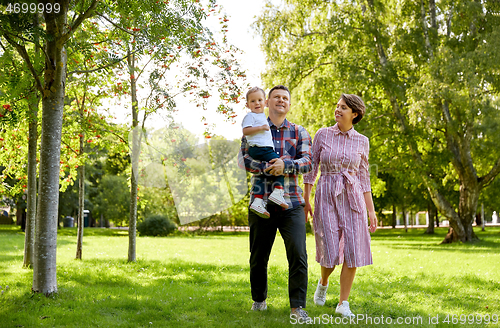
[
  {"x": 20, "y": 87},
  {"x": 426, "y": 70},
  {"x": 58, "y": 30},
  {"x": 156, "y": 36}
]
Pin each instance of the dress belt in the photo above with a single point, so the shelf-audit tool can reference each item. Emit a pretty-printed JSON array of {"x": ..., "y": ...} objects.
[{"x": 348, "y": 182}]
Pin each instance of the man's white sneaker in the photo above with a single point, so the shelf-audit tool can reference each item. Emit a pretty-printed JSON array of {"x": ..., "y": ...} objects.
[
  {"x": 320, "y": 294},
  {"x": 344, "y": 310},
  {"x": 259, "y": 306},
  {"x": 277, "y": 197},
  {"x": 259, "y": 208}
]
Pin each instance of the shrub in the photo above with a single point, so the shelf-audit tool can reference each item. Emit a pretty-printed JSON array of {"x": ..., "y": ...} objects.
[{"x": 156, "y": 225}]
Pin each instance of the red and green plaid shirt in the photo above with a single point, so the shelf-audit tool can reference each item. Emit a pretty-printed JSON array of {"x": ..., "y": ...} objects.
[{"x": 291, "y": 142}]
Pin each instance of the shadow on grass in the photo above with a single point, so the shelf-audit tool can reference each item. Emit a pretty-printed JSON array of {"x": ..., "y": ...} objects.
[
  {"x": 483, "y": 246},
  {"x": 92, "y": 232},
  {"x": 385, "y": 294}
]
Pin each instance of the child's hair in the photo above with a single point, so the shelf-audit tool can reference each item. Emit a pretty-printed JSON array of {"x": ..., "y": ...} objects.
[{"x": 255, "y": 89}]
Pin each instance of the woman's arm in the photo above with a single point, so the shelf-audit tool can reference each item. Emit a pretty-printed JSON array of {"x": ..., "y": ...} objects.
[
  {"x": 371, "y": 210},
  {"x": 307, "y": 196},
  {"x": 364, "y": 179}
]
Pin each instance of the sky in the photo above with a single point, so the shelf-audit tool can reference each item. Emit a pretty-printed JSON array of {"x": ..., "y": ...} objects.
[{"x": 241, "y": 15}]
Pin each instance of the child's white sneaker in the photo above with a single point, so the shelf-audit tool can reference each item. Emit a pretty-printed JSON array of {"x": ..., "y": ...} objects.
[
  {"x": 259, "y": 208},
  {"x": 320, "y": 294},
  {"x": 344, "y": 310},
  {"x": 277, "y": 197}
]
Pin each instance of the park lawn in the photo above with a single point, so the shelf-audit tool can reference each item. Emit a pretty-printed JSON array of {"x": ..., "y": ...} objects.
[{"x": 203, "y": 281}]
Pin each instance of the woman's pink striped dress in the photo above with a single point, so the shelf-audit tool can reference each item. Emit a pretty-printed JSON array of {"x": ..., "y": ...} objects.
[{"x": 340, "y": 218}]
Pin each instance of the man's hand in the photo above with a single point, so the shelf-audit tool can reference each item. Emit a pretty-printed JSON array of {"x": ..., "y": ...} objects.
[{"x": 277, "y": 167}]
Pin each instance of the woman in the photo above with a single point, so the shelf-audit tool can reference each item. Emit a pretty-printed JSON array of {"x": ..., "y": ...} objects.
[{"x": 343, "y": 196}]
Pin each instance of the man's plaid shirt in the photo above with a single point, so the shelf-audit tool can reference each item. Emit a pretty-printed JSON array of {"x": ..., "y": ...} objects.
[{"x": 291, "y": 142}]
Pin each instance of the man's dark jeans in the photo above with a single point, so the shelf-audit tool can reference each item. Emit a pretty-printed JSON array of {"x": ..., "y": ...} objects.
[{"x": 291, "y": 224}]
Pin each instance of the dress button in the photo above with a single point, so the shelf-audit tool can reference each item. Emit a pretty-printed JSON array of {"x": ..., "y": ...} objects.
[
  {"x": 278, "y": 130},
  {"x": 277, "y": 141}
]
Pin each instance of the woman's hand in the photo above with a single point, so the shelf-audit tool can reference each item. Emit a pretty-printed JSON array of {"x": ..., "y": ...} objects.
[
  {"x": 373, "y": 221},
  {"x": 308, "y": 210},
  {"x": 307, "y": 195}
]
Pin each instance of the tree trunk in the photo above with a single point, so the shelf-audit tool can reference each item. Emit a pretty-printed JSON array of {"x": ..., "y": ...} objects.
[
  {"x": 44, "y": 269},
  {"x": 467, "y": 207},
  {"x": 404, "y": 218},
  {"x": 44, "y": 274},
  {"x": 451, "y": 237},
  {"x": 432, "y": 12},
  {"x": 394, "y": 214},
  {"x": 135, "y": 163},
  {"x": 431, "y": 212},
  {"x": 19, "y": 212},
  {"x": 29, "y": 237},
  {"x": 81, "y": 200}
]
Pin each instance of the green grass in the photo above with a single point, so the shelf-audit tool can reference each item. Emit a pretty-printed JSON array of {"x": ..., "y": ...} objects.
[{"x": 203, "y": 281}]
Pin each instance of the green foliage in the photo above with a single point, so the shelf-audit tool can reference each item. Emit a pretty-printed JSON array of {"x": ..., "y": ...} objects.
[
  {"x": 113, "y": 199},
  {"x": 379, "y": 50},
  {"x": 156, "y": 225}
]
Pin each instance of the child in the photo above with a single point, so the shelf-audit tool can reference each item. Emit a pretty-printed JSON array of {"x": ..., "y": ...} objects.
[{"x": 261, "y": 147}]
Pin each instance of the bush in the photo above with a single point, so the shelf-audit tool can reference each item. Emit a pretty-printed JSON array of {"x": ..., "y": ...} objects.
[{"x": 156, "y": 225}]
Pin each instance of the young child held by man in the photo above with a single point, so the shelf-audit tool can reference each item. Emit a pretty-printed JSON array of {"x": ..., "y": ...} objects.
[{"x": 261, "y": 147}]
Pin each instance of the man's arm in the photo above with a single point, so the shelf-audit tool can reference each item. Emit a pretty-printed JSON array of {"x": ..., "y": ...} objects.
[
  {"x": 302, "y": 162},
  {"x": 248, "y": 163}
]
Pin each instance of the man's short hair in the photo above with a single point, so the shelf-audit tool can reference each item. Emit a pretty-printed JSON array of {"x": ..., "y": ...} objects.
[
  {"x": 255, "y": 89},
  {"x": 356, "y": 104},
  {"x": 279, "y": 87}
]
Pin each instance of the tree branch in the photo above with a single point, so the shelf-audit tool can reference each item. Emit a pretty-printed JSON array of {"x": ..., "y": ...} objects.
[
  {"x": 311, "y": 70},
  {"x": 12, "y": 60},
  {"x": 116, "y": 25},
  {"x": 451, "y": 137},
  {"x": 5, "y": 32},
  {"x": 484, "y": 181},
  {"x": 426, "y": 33},
  {"x": 24, "y": 54},
  {"x": 99, "y": 68},
  {"x": 79, "y": 21},
  {"x": 308, "y": 34}
]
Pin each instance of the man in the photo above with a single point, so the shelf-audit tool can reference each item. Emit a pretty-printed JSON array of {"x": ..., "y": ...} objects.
[{"x": 293, "y": 144}]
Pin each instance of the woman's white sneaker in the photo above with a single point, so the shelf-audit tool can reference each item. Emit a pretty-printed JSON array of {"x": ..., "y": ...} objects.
[
  {"x": 344, "y": 310},
  {"x": 320, "y": 294}
]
